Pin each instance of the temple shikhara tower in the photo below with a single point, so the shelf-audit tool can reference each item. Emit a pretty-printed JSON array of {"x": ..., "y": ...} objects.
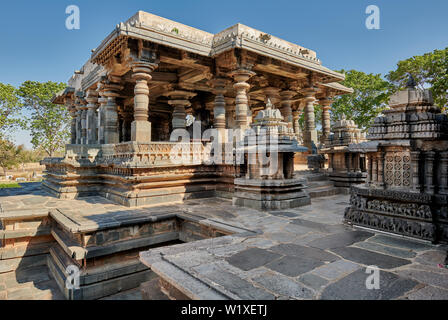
[
  {"x": 148, "y": 77},
  {"x": 406, "y": 190}
]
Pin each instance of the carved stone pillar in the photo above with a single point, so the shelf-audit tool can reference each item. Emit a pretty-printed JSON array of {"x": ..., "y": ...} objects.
[
  {"x": 286, "y": 109},
  {"x": 380, "y": 161},
  {"x": 83, "y": 108},
  {"x": 415, "y": 157},
  {"x": 230, "y": 112},
  {"x": 325, "y": 103},
  {"x": 295, "y": 117},
  {"x": 92, "y": 99},
  {"x": 369, "y": 169},
  {"x": 126, "y": 126},
  {"x": 443, "y": 187},
  {"x": 310, "y": 133},
  {"x": 72, "y": 111},
  {"x": 429, "y": 172},
  {"x": 102, "y": 100},
  {"x": 241, "y": 100},
  {"x": 111, "y": 91},
  {"x": 179, "y": 99},
  {"x": 78, "y": 125},
  {"x": 219, "y": 107},
  {"x": 374, "y": 169},
  {"x": 141, "y": 127}
]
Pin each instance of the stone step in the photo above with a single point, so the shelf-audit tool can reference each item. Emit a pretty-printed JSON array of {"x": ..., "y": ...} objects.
[
  {"x": 323, "y": 192},
  {"x": 151, "y": 290},
  {"x": 318, "y": 184},
  {"x": 32, "y": 283}
]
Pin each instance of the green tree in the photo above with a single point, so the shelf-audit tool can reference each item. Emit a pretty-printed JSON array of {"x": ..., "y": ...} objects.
[
  {"x": 369, "y": 99},
  {"x": 9, "y": 109},
  {"x": 10, "y": 154},
  {"x": 429, "y": 70},
  {"x": 48, "y": 123}
]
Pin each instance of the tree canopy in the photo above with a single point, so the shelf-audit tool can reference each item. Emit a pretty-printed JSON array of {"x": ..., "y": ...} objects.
[
  {"x": 49, "y": 122},
  {"x": 9, "y": 109},
  {"x": 368, "y": 100},
  {"x": 428, "y": 70}
]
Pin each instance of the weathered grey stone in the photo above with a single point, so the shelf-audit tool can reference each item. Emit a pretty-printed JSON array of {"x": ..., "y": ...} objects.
[
  {"x": 340, "y": 239},
  {"x": 336, "y": 269},
  {"x": 386, "y": 249},
  {"x": 284, "y": 286},
  {"x": 400, "y": 242},
  {"x": 294, "y": 266},
  {"x": 370, "y": 258},
  {"x": 313, "y": 281},
  {"x": 429, "y": 293},
  {"x": 252, "y": 258},
  {"x": 232, "y": 283},
  {"x": 353, "y": 287},
  {"x": 291, "y": 249}
]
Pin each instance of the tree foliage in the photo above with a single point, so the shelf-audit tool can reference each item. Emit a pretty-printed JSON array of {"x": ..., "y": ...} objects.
[
  {"x": 369, "y": 99},
  {"x": 428, "y": 70},
  {"x": 48, "y": 123},
  {"x": 10, "y": 154},
  {"x": 9, "y": 109}
]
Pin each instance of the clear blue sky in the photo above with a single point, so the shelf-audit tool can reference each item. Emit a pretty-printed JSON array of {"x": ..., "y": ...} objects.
[{"x": 35, "y": 45}]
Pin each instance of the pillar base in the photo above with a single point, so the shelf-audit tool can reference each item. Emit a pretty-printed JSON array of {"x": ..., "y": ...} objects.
[
  {"x": 308, "y": 138},
  {"x": 141, "y": 131}
]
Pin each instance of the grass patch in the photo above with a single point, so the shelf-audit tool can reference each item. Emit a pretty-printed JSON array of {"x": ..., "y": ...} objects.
[{"x": 9, "y": 185}]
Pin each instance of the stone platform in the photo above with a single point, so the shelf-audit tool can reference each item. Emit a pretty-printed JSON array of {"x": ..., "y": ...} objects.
[{"x": 230, "y": 252}]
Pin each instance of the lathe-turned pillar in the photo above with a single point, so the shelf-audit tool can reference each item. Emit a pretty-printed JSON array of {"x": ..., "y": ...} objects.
[
  {"x": 286, "y": 109},
  {"x": 241, "y": 86},
  {"x": 310, "y": 133},
  {"x": 326, "y": 126},
  {"x": 179, "y": 99},
  {"x": 219, "y": 107},
  {"x": 141, "y": 127}
]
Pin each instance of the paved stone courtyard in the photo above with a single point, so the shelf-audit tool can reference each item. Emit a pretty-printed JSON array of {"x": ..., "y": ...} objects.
[{"x": 302, "y": 253}]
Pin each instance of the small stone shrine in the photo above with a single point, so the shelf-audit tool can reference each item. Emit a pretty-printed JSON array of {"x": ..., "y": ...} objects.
[
  {"x": 345, "y": 167},
  {"x": 269, "y": 182},
  {"x": 406, "y": 190}
]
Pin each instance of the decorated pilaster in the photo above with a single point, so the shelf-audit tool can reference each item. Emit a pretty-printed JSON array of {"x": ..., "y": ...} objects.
[
  {"x": 443, "y": 189},
  {"x": 72, "y": 111},
  {"x": 111, "y": 91},
  {"x": 100, "y": 122},
  {"x": 310, "y": 133},
  {"x": 91, "y": 121},
  {"x": 241, "y": 86}
]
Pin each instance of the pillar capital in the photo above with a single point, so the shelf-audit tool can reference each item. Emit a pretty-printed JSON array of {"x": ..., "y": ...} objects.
[
  {"x": 287, "y": 95},
  {"x": 309, "y": 93},
  {"x": 179, "y": 100},
  {"x": 142, "y": 70},
  {"x": 326, "y": 102}
]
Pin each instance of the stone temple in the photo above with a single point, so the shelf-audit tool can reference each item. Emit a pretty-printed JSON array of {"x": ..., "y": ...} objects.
[
  {"x": 179, "y": 181},
  {"x": 147, "y": 76}
]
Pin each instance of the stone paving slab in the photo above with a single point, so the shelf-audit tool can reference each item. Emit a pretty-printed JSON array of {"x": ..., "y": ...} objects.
[
  {"x": 353, "y": 287},
  {"x": 301, "y": 253},
  {"x": 370, "y": 258}
]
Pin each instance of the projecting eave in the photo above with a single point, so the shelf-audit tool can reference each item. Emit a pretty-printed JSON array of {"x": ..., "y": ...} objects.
[
  {"x": 59, "y": 98},
  {"x": 158, "y": 30},
  {"x": 338, "y": 88}
]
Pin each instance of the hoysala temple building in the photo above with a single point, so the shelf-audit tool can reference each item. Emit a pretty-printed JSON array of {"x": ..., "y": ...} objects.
[
  {"x": 179, "y": 181},
  {"x": 149, "y": 76}
]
